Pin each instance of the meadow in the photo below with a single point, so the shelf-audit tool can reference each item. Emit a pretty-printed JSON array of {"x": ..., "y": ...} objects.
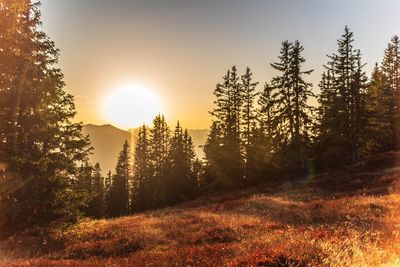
[{"x": 346, "y": 217}]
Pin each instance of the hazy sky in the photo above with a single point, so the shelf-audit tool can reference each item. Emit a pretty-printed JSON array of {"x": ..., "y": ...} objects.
[{"x": 181, "y": 49}]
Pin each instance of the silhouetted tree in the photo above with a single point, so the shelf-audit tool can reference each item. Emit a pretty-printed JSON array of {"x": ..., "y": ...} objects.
[
  {"x": 39, "y": 142},
  {"x": 182, "y": 181},
  {"x": 248, "y": 115},
  {"x": 159, "y": 157},
  {"x": 380, "y": 136},
  {"x": 391, "y": 72},
  {"x": 213, "y": 175},
  {"x": 119, "y": 192},
  {"x": 292, "y": 110},
  {"x": 142, "y": 173},
  {"x": 96, "y": 206},
  {"x": 229, "y": 104},
  {"x": 342, "y": 114}
]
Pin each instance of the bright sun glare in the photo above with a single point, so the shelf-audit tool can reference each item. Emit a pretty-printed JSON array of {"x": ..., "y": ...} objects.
[{"x": 131, "y": 106}]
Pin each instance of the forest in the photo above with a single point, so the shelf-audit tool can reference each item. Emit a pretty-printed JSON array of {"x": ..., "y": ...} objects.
[{"x": 259, "y": 134}]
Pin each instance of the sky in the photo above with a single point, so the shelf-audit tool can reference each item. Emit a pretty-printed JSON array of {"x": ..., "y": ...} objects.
[{"x": 181, "y": 49}]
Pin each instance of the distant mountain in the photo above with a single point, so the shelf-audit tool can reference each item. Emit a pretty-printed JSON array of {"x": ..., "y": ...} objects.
[{"x": 107, "y": 141}]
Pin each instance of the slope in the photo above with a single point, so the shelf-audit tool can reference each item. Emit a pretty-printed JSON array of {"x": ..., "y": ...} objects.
[{"x": 345, "y": 217}]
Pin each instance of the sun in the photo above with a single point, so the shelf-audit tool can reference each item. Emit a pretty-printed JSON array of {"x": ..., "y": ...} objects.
[{"x": 130, "y": 106}]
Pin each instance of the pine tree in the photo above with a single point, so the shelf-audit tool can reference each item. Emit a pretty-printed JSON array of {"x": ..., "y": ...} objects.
[
  {"x": 248, "y": 114},
  {"x": 141, "y": 172},
  {"x": 342, "y": 113},
  {"x": 380, "y": 114},
  {"x": 191, "y": 181},
  {"x": 107, "y": 194},
  {"x": 213, "y": 178},
  {"x": 159, "y": 156},
  {"x": 96, "y": 205},
  {"x": 39, "y": 142},
  {"x": 266, "y": 111},
  {"x": 182, "y": 182},
  {"x": 292, "y": 113},
  {"x": 391, "y": 70},
  {"x": 229, "y": 104},
  {"x": 119, "y": 192}
]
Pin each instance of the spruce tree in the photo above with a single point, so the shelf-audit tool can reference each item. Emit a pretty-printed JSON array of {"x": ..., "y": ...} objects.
[
  {"x": 380, "y": 136},
  {"x": 227, "y": 114},
  {"x": 342, "y": 112},
  {"x": 213, "y": 178},
  {"x": 292, "y": 110},
  {"x": 107, "y": 194},
  {"x": 181, "y": 184},
  {"x": 39, "y": 142},
  {"x": 142, "y": 174},
  {"x": 191, "y": 181},
  {"x": 119, "y": 192},
  {"x": 266, "y": 111},
  {"x": 159, "y": 157},
  {"x": 96, "y": 205},
  {"x": 248, "y": 115},
  {"x": 391, "y": 70}
]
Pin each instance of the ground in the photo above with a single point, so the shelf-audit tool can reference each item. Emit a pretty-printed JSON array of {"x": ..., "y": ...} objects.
[{"x": 349, "y": 217}]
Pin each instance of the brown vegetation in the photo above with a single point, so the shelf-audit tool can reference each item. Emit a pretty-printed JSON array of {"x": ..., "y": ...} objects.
[{"x": 352, "y": 221}]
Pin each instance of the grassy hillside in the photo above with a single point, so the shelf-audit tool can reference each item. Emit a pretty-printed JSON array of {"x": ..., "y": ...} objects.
[{"x": 349, "y": 217}]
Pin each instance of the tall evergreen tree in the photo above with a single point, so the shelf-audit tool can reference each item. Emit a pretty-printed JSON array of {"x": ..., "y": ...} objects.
[
  {"x": 342, "y": 114},
  {"x": 141, "y": 172},
  {"x": 267, "y": 112},
  {"x": 248, "y": 114},
  {"x": 39, "y": 143},
  {"x": 182, "y": 181},
  {"x": 290, "y": 96},
  {"x": 107, "y": 194},
  {"x": 391, "y": 71},
  {"x": 229, "y": 104},
  {"x": 119, "y": 192},
  {"x": 96, "y": 206},
  {"x": 213, "y": 175},
  {"x": 191, "y": 181},
  {"x": 159, "y": 157}
]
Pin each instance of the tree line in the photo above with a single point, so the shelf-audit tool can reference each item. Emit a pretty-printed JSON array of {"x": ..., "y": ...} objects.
[
  {"x": 163, "y": 171},
  {"x": 270, "y": 135},
  {"x": 256, "y": 135}
]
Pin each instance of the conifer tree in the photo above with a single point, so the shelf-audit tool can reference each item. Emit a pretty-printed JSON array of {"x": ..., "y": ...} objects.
[
  {"x": 267, "y": 113},
  {"x": 119, "y": 192},
  {"x": 213, "y": 178},
  {"x": 39, "y": 142},
  {"x": 107, "y": 194},
  {"x": 248, "y": 114},
  {"x": 229, "y": 104},
  {"x": 159, "y": 156},
  {"x": 96, "y": 205},
  {"x": 380, "y": 136},
  {"x": 342, "y": 113},
  {"x": 191, "y": 184},
  {"x": 182, "y": 184},
  {"x": 391, "y": 70},
  {"x": 290, "y": 96},
  {"x": 141, "y": 172}
]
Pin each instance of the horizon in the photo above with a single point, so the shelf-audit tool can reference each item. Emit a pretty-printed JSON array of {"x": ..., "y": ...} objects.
[{"x": 167, "y": 48}]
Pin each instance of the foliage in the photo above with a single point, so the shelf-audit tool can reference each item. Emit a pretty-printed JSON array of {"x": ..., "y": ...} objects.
[{"x": 40, "y": 145}]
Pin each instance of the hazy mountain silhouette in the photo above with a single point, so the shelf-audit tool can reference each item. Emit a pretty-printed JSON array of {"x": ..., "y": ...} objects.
[{"x": 107, "y": 141}]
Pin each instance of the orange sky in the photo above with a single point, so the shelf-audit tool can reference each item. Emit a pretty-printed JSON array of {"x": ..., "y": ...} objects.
[{"x": 181, "y": 49}]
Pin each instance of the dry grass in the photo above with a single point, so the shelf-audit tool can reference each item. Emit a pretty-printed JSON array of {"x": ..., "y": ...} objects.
[{"x": 305, "y": 225}]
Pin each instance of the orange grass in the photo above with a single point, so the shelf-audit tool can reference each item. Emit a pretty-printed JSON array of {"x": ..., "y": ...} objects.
[{"x": 300, "y": 226}]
